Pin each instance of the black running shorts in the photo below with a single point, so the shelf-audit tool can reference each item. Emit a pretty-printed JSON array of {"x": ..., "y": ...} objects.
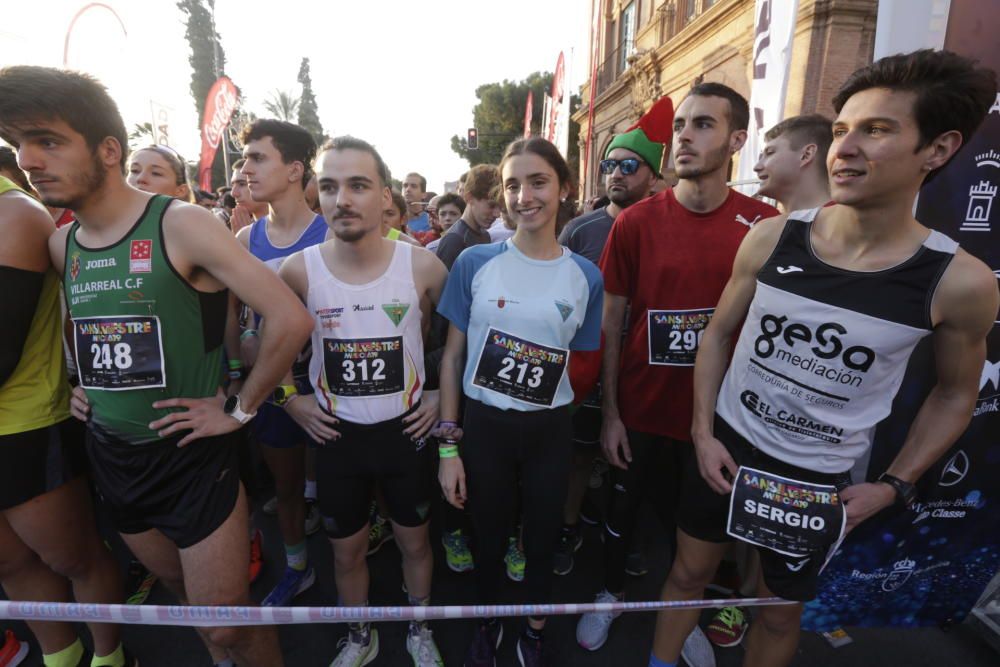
[
  {"x": 703, "y": 514},
  {"x": 41, "y": 460},
  {"x": 348, "y": 468},
  {"x": 185, "y": 493}
]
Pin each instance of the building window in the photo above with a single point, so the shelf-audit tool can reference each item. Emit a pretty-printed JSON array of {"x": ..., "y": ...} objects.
[
  {"x": 627, "y": 42},
  {"x": 690, "y": 9}
]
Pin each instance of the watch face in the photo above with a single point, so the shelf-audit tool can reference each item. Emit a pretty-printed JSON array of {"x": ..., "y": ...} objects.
[
  {"x": 279, "y": 394},
  {"x": 230, "y": 404}
]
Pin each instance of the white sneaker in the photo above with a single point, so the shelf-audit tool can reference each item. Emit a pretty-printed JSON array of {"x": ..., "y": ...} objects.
[
  {"x": 592, "y": 630},
  {"x": 355, "y": 653},
  {"x": 697, "y": 650},
  {"x": 422, "y": 649}
]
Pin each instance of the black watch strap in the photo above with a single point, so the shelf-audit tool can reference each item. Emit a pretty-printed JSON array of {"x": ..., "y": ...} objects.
[{"x": 906, "y": 493}]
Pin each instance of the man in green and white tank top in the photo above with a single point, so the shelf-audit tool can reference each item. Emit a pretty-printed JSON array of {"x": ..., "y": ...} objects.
[
  {"x": 145, "y": 280},
  {"x": 44, "y": 496}
]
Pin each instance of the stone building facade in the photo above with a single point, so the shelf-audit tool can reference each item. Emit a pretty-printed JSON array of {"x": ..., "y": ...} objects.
[{"x": 650, "y": 48}]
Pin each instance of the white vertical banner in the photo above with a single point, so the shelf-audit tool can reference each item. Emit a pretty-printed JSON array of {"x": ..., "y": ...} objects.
[
  {"x": 161, "y": 123},
  {"x": 908, "y": 25},
  {"x": 546, "y": 117},
  {"x": 562, "y": 119},
  {"x": 774, "y": 27}
]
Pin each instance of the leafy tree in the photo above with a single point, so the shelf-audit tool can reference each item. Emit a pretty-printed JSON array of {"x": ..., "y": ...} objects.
[
  {"x": 141, "y": 135},
  {"x": 499, "y": 118},
  {"x": 208, "y": 61},
  {"x": 308, "y": 109},
  {"x": 282, "y": 105}
]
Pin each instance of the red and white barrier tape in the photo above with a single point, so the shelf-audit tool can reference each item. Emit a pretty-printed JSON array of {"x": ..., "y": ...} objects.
[{"x": 204, "y": 616}]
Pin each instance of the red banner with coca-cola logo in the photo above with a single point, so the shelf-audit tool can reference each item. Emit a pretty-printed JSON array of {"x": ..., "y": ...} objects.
[{"x": 222, "y": 99}]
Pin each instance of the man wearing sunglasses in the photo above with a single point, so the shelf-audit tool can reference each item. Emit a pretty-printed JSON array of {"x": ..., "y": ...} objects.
[
  {"x": 668, "y": 257},
  {"x": 628, "y": 178}
]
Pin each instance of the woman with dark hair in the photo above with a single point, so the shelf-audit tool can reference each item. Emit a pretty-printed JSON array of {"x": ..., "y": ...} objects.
[
  {"x": 516, "y": 310},
  {"x": 160, "y": 170}
]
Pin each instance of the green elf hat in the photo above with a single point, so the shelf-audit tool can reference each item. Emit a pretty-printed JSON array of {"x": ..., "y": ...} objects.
[{"x": 650, "y": 135}]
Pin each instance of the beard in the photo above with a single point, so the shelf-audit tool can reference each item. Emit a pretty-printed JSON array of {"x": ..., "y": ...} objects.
[
  {"x": 84, "y": 183},
  {"x": 627, "y": 197},
  {"x": 714, "y": 160},
  {"x": 349, "y": 235}
]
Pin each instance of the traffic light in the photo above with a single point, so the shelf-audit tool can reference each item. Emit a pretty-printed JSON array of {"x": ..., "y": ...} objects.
[{"x": 473, "y": 141}]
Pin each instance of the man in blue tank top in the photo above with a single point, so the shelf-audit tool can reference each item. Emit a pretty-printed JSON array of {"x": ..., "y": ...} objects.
[
  {"x": 834, "y": 300},
  {"x": 278, "y": 165}
]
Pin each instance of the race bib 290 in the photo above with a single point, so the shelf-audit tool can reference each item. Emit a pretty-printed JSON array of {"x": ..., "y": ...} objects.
[
  {"x": 363, "y": 366},
  {"x": 787, "y": 516},
  {"x": 519, "y": 368},
  {"x": 674, "y": 335},
  {"x": 119, "y": 353}
]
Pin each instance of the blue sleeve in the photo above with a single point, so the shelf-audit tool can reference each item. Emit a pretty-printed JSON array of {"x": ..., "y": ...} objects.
[
  {"x": 456, "y": 299},
  {"x": 588, "y": 336}
]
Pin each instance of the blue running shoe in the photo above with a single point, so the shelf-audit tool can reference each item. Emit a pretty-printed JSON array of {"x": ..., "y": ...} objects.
[{"x": 292, "y": 583}]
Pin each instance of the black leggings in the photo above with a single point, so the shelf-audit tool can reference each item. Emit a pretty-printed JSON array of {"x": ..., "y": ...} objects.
[
  {"x": 655, "y": 472},
  {"x": 500, "y": 446}
]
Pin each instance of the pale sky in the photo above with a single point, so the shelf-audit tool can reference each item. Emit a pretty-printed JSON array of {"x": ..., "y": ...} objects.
[{"x": 398, "y": 73}]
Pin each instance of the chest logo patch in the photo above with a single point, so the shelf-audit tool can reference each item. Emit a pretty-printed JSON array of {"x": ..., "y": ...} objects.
[
  {"x": 396, "y": 311},
  {"x": 74, "y": 266},
  {"x": 140, "y": 256},
  {"x": 565, "y": 309}
]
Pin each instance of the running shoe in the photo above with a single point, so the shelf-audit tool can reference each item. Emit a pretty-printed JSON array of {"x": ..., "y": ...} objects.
[
  {"x": 292, "y": 583},
  {"x": 271, "y": 506},
  {"x": 727, "y": 627},
  {"x": 483, "y": 651},
  {"x": 570, "y": 541},
  {"x": 531, "y": 652},
  {"x": 635, "y": 564},
  {"x": 379, "y": 534},
  {"x": 514, "y": 560},
  {"x": 88, "y": 656},
  {"x": 420, "y": 644},
  {"x": 697, "y": 650},
  {"x": 356, "y": 650},
  {"x": 592, "y": 629},
  {"x": 140, "y": 581},
  {"x": 13, "y": 652},
  {"x": 313, "y": 519},
  {"x": 456, "y": 551},
  {"x": 256, "y": 555}
]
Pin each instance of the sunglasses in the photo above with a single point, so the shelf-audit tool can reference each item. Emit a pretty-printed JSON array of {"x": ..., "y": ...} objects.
[{"x": 629, "y": 166}]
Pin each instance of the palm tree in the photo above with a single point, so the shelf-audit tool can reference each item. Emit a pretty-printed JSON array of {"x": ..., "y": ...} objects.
[{"x": 283, "y": 106}]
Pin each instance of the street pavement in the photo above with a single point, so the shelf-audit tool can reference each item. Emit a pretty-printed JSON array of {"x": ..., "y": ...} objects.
[{"x": 628, "y": 645}]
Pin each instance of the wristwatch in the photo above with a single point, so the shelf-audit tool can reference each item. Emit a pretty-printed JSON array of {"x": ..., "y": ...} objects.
[
  {"x": 906, "y": 493},
  {"x": 233, "y": 409},
  {"x": 283, "y": 393}
]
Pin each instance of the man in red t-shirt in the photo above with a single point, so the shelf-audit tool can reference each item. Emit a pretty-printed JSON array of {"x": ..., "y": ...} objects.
[{"x": 668, "y": 257}]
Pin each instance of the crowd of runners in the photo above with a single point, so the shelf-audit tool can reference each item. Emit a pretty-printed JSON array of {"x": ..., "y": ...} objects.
[{"x": 721, "y": 359}]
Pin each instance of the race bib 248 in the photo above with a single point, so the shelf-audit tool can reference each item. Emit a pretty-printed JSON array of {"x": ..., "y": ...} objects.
[{"x": 119, "y": 353}]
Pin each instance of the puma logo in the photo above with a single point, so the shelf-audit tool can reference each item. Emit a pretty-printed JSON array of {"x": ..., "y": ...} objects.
[
  {"x": 743, "y": 221},
  {"x": 789, "y": 269}
]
